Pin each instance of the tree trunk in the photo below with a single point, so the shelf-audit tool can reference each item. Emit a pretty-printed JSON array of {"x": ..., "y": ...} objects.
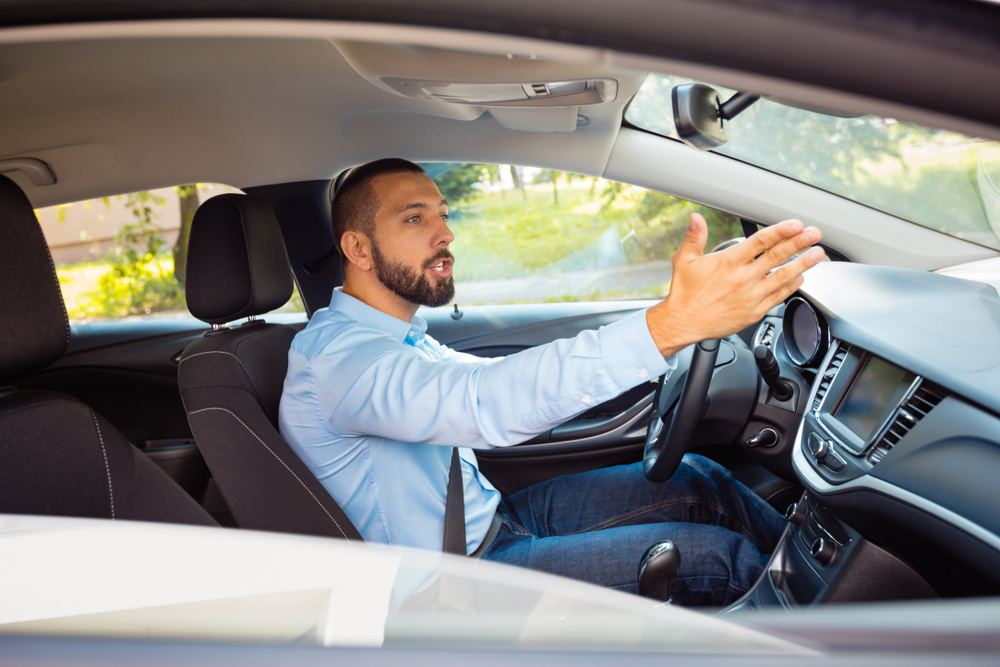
[
  {"x": 188, "y": 196},
  {"x": 517, "y": 181}
]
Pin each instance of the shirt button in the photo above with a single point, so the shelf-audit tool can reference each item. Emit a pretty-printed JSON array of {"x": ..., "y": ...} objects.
[
  {"x": 412, "y": 334},
  {"x": 643, "y": 374},
  {"x": 586, "y": 399}
]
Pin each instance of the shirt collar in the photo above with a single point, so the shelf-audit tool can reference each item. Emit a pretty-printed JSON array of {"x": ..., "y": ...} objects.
[{"x": 363, "y": 314}]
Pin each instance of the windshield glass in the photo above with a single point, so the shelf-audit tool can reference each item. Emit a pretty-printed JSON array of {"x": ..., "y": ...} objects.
[{"x": 941, "y": 180}]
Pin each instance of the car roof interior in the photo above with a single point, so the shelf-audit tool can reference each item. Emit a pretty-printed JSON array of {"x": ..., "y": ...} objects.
[{"x": 116, "y": 108}]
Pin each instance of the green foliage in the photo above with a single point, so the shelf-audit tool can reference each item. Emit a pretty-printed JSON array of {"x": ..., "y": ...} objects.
[
  {"x": 499, "y": 237},
  {"x": 140, "y": 286},
  {"x": 140, "y": 278},
  {"x": 456, "y": 181}
]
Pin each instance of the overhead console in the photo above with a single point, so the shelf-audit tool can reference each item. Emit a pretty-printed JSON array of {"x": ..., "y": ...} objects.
[{"x": 519, "y": 90}]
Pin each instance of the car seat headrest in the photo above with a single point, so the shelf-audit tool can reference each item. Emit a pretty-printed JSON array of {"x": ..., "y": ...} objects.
[
  {"x": 34, "y": 329},
  {"x": 236, "y": 261}
]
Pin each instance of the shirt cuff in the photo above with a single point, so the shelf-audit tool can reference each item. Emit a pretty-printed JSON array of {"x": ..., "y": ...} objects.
[{"x": 630, "y": 353}]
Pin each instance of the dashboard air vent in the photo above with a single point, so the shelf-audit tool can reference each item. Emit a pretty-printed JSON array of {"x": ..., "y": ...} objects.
[
  {"x": 829, "y": 373},
  {"x": 923, "y": 401},
  {"x": 767, "y": 334}
]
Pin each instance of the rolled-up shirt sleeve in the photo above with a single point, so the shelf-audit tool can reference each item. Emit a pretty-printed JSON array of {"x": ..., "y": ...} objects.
[{"x": 392, "y": 392}]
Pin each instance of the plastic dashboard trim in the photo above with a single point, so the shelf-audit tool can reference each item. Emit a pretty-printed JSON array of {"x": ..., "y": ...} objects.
[{"x": 818, "y": 485}]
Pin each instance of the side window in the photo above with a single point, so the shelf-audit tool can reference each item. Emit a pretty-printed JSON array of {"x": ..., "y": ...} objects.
[
  {"x": 124, "y": 256},
  {"x": 527, "y": 235}
]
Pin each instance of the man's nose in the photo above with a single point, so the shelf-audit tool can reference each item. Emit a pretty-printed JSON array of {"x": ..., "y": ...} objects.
[{"x": 445, "y": 235}]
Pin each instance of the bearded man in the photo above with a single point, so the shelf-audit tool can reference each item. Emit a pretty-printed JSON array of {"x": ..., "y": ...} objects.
[{"x": 376, "y": 408}]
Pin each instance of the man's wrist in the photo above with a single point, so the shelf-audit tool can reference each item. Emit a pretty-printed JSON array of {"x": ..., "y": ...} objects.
[{"x": 664, "y": 330}]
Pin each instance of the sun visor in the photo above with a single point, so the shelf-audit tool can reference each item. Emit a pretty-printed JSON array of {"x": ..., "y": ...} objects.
[{"x": 550, "y": 119}]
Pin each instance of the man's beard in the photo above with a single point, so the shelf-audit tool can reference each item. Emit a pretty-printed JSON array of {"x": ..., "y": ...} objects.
[{"x": 410, "y": 285}]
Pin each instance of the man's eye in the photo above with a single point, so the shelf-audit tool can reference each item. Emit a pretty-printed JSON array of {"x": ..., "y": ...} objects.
[
  {"x": 445, "y": 217},
  {"x": 413, "y": 218}
]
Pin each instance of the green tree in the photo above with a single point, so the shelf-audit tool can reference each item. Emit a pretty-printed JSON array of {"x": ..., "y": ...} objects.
[
  {"x": 137, "y": 281},
  {"x": 456, "y": 183}
]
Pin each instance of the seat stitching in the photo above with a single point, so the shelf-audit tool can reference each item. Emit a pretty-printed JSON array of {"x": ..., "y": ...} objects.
[
  {"x": 282, "y": 463},
  {"x": 198, "y": 354},
  {"x": 107, "y": 468},
  {"x": 246, "y": 240}
]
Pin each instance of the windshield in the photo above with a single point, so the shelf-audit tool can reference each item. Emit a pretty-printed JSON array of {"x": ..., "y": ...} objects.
[{"x": 941, "y": 180}]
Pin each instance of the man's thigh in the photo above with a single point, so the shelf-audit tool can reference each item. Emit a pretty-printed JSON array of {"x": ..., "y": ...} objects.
[
  {"x": 717, "y": 565},
  {"x": 701, "y": 491}
]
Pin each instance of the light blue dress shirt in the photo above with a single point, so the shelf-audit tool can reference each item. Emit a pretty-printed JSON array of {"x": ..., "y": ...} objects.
[{"x": 373, "y": 406}]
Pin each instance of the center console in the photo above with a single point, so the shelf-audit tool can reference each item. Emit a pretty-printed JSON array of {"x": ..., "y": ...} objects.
[{"x": 860, "y": 406}]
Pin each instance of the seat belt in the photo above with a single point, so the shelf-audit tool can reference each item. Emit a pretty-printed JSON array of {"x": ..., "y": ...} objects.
[{"x": 454, "y": 509}]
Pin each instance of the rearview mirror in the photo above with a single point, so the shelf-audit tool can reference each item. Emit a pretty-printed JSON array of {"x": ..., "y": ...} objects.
[{"x": 700, "y": 115}]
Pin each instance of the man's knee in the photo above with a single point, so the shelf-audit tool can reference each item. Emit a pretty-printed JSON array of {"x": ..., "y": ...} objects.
[{"x": 707, "y": 469}]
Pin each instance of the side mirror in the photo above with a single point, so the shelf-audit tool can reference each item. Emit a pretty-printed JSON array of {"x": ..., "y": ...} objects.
[{"x": 700, "y": 115}]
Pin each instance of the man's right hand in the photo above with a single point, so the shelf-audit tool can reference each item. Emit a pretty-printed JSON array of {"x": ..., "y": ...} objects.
[{"x": 716, "y": 295}]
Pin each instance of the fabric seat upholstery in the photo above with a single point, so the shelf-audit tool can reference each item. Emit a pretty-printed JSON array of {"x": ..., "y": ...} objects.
[
  {"x": 57, "y": 456},
  {"x": 231, "y": 378}
]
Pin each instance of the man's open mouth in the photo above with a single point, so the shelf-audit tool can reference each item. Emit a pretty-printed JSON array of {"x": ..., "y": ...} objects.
[{"x": 442, "y": 269}]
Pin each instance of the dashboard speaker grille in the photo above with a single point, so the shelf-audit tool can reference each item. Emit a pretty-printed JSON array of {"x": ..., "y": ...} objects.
[
  {"x": 829, "y": 373},
  {"x": 922, "y": 402}
]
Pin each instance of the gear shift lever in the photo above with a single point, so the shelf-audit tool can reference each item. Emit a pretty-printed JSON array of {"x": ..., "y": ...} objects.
[{"x": 658, "y": 570}]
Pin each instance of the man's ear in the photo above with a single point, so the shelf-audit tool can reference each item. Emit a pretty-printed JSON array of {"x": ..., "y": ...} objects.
[{"x": 356, "y": 248}]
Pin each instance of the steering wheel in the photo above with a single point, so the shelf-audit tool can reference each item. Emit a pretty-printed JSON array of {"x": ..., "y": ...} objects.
[{"x": 667, "y": 444}]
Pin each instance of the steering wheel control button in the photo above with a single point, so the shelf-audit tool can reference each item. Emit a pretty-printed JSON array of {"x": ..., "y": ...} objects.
[
  {"x": 768, "y": 437},
  {"x": 796, "y": 513},
  {"x": 822, "y": 550}
]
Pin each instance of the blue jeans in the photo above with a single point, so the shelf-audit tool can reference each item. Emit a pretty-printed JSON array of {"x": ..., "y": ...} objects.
[{"x": 595, "y": 526}]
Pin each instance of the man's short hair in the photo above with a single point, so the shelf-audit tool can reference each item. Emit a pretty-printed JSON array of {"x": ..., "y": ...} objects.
[{"x": 355, "y": 202}]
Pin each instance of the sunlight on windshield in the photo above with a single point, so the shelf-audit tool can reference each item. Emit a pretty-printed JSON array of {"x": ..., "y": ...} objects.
[{"x": 941, "y": 180}]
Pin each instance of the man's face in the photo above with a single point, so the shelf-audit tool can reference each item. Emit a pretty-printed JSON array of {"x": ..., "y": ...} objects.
[{"x": 410, "y": 252}]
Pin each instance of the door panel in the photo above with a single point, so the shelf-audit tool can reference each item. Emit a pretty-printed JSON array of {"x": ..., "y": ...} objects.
[
  {"x": 127, "y": 372},
  {"x": 606, "y": 435}
]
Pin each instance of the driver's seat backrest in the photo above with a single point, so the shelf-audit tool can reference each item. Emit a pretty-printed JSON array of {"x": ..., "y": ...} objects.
[{"x": 231, "y": 378}]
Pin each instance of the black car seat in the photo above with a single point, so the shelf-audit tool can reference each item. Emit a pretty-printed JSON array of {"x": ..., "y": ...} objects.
[
  {"x": 57, "y": 456},
  {"x": 231, "y": 378}
]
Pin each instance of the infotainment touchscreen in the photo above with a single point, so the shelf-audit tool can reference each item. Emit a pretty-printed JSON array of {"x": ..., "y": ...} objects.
[{"x": 870, "y": 396}]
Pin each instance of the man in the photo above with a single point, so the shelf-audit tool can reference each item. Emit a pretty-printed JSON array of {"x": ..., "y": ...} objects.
[{"x": 375, "y": 407}]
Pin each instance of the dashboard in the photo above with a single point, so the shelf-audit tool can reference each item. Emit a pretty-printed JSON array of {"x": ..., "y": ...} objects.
[{"x": 899, "y": 444}]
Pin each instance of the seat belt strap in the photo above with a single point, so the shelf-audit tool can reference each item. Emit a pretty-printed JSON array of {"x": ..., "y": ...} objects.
[{"x": 454, "y": 509}]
